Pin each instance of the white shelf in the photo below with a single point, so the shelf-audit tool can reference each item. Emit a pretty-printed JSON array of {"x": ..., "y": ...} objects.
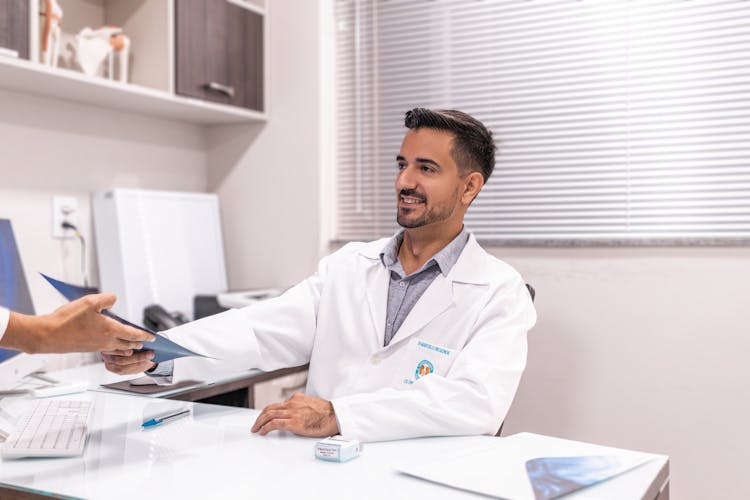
[
  {"x": 257, "y": 6},
  {"x": 20, "y": 75}
]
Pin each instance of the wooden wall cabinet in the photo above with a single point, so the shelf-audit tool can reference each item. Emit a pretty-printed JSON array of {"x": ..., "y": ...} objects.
[
  {"x": 14, "y": 27},
  {"x": 201, "y": 61},
  {"x": 219, "y": 52}
]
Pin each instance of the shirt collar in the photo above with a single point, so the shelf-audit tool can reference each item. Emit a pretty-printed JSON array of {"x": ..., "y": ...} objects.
[
  {"x": 389, "y": 255},
  {"x": 445, "y": 258}
]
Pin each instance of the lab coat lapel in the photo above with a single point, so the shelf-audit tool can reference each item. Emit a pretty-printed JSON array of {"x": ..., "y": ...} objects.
[
  {"x": 436, "y": 299},
  {"x": 377, "y": 296},
  {"x": 440, "y": 295}
]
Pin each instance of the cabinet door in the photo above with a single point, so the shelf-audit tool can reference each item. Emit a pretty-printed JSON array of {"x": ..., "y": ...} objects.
[
  {"x": 219, "y": 52},
  {"x": 197, "y": 36},
  {"x": 251, "y": 72},
  {"x": 14, "y": 26}
]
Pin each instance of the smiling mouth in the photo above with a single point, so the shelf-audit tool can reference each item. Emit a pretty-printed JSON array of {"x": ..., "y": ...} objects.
[{"x": 410, "y": 200}]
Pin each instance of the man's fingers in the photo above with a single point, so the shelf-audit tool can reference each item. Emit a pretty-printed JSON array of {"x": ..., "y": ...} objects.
[
  {"x": 277, "y": 424},
  {"x": 138, "y": 357},
  {"x": 274, "y": 406},
  {"x": 268, "y": 415},
  {"x": 128, "y": 369},
  {"x": 127, "y": 365},
  {"x": 258, "y": 422},
  {"x": 263, "y": 417}
]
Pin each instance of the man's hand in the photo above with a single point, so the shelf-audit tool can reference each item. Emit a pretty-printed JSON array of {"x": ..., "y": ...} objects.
[
  {"x": 301, "y": 414},
  {"x": 128, "y": 362},
  {"x": 76, "y": 327}
]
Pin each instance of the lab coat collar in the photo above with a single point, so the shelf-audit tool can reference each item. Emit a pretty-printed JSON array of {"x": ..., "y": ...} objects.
[
  {"x": 467, "y": 269},
  {"x": 471, "y": 265},
  {"x": 438, "y": 297}
]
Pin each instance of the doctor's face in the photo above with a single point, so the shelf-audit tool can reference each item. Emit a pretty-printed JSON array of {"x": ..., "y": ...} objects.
[{"x": 428, "y": 184}]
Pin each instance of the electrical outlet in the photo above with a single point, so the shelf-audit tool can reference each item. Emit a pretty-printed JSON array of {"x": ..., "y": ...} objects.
[{"x": 64, "y": 209}]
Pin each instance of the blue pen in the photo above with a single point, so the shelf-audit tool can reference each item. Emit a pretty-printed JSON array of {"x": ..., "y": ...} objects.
[{"x": 165, "y": 418}]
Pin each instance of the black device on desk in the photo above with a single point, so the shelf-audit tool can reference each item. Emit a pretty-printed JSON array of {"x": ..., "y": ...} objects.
[
  {"x": 206, "y": 305},
  {"x": 158, "y": 319}
]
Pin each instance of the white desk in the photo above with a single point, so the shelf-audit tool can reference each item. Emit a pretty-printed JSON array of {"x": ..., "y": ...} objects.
[
  {"x": 96, "y": 375},
  {"x": 212, "y": 454}
]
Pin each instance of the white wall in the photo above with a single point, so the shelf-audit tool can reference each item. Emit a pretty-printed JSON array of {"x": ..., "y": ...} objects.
[
  {"x": 51, "y": 147},
  {"x": 267, "y": 175},
  {"x": 643, "y": 348}
]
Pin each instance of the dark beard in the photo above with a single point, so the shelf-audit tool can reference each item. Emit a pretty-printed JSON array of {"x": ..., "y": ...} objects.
[{"x": 436, "y": 214}]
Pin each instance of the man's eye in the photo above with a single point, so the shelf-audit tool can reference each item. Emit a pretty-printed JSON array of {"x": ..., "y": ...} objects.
[
  {"x": 426, "y": 168},
  {"x": 401, "y": 166}
]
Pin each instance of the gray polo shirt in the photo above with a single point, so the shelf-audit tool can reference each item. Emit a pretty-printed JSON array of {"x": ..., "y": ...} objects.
[{"x": 404, "y": 291}]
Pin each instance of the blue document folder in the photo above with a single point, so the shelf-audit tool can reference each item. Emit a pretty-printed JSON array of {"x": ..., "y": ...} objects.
[{"x": 164, "y": 349}]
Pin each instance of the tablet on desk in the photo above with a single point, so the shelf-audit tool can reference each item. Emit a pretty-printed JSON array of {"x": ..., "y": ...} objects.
[{"x": 128, "y": 386}]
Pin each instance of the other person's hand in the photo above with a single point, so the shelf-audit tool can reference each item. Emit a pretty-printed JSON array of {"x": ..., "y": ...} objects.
[
  {"x": 301, "y": 414},
  {"x": 79, "y": 327},
  {"x": 128, "y": 362}
]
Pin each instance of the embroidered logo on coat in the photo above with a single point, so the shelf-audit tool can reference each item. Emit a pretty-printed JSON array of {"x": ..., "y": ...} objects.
[{"x": 424, "y": 367}]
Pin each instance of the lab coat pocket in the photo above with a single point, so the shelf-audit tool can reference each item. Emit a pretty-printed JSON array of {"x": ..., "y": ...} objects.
[{"x": 424, "y": 358}]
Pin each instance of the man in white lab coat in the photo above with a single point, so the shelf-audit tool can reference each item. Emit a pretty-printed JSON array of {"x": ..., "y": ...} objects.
[{"x": 420, "y": 334}]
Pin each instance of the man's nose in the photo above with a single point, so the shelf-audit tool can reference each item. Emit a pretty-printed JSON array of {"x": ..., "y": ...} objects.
[{"x": 405, "y": 179}]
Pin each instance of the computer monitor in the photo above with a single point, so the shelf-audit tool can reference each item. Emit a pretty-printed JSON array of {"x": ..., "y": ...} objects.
[{"x": 14, "y": 295}]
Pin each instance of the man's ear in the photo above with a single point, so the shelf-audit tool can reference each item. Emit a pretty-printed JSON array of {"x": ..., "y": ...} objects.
[{"x": 474, "y": 182}]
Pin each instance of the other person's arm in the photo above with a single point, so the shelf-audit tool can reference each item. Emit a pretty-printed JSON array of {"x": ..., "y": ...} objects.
[{"x": 75, "y": 327}]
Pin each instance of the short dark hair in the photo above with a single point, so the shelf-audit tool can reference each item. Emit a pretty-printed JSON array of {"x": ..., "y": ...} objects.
[{"x": 473, "y": 147}]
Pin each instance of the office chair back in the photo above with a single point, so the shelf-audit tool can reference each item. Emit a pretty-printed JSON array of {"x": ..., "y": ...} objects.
[{"x": 532, "y": 292}]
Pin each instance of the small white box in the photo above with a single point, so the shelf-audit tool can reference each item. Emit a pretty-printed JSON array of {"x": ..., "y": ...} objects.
[{"x": 336, "y": 449}]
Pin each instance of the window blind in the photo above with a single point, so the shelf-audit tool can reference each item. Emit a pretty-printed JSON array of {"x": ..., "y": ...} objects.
[{"x": 615, "y": 120}]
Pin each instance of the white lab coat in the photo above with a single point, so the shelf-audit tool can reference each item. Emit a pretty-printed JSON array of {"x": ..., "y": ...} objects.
[{"x": 468, "y": 329}]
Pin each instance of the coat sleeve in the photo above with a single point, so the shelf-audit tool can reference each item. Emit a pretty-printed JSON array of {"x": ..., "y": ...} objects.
[
  {"x": 4, "y": 317},
  {"x": 272, "y": 334},
  {"x": 472, "y": 398}
]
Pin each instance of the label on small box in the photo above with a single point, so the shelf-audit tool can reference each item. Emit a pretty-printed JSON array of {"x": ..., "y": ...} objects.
[{"x": 336, "y": 449}]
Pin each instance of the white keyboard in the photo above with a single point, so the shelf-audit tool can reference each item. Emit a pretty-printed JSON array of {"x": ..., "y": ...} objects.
[{"x": 50, "y": 428}]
